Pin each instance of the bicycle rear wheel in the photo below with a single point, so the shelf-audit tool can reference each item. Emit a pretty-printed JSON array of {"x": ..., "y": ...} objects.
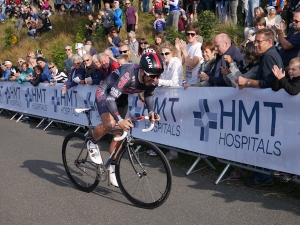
[
  {"x": 78, "y": 165},
  {"x": 150, "y": 185}
]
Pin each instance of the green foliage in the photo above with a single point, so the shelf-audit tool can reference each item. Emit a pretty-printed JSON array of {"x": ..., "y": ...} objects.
[
  {"x": 236, "y": 33},
  {"x": 172, "y": 34},
  {"x": 99, "y": 36},
  {"x": 81, "y": 31},
  {"x": 9, "y": 33},
  {"x": 58, "y": 55},
  {"x": 208, "y": 24}
]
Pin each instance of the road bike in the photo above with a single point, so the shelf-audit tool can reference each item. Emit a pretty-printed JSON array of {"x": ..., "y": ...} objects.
[{"x": 143, "y": 179}]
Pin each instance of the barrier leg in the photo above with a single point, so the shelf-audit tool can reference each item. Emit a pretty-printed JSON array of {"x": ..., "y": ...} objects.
[
  {"x": 14, "y": 116},
  {"x": 223, "y": 173},
  {"x": 48, "y": 124},
  {"x": 77, "y": 129},
  {"x": 209, "y": 163},
  {"x": 1, "y": 111},
  {"x": 19, "y": 118},
  {"x": 193, "y": 166},
  {"x": 40, "y": 122}
]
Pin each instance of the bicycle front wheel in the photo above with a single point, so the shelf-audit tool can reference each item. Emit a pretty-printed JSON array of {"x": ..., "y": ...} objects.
[
  {"x": 144, "y": 180},
  {"x": 78, "y": 165}
]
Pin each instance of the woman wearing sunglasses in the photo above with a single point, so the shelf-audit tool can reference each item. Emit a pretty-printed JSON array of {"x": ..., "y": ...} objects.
[
  {"x": 173, "y": 71},
  {"x": 142, "y": 46}
]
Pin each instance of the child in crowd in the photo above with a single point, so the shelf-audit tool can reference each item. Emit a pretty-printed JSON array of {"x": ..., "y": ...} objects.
[
  {"x": 292, "y": 84},
  {"x": 208, "y": 52},
  {"x": 159, "y": 23},
  {"x": 123, "y": 59}
]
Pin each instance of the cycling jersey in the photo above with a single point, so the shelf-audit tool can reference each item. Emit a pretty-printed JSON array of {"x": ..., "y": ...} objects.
[{"x": 112, "y": 93}]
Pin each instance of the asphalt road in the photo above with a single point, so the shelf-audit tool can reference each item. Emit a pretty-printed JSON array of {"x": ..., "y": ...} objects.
[{"x": 34, "y": 189}]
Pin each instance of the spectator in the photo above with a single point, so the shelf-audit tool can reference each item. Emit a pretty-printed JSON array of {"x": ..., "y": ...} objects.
[
  {"x": 31, "y": 32},
  {"x": 290, "y": 46},
  {"x": 46, "y": 8},
  {"x": 110, "y": 53},
  {"x": 174, "y": 14},
  {"x": 26, "y": 74},
  {"x": 133, "y": 43},
  {"x": 32, "y": 17},
  {"x": 37, "y": 76},
  {"x": 91, "y": 26},
  {"x": 123, "y": 59},
  {"x": 69, "y": 7},
  {"x": 223, "y": 47},
  {"x": 77, "y": 74},
  {"x": 247, "y": 68},
  {"x": 222, "y": 6},
  {"x": 264, "y": 44},
  {"x": 114, "y": 38},
  {"x": 96, "y": 4},
  {"x": 46, "y": 24},
  {"x": 250, "y": 17},
  {"x": 107, "y": 65},
  {"x": 132, "y": 17},
  {"x": 142, "y": 46},
  {"x": 191, "y": 54},
  {"x": 233, "y": 4},
  {"x": 292, "y": 84},
  {"x": 89, "y": 67},
  {"x": 20, "y": 61},
  {"x": 14, "y": 70},
  {"x": 5, "y": 72},
  {"x": 173, "y": 71},
  {"x": 157, "y": 6},
  {"x": 124, "y": 50},
  {"x": 208, "y": 52},
  {"x": 97, "y": 75},
  {"x": 31, "y": 60},
  {"x": 159, "y": 39},
  {"x": 278, "y": 4},
  {"x": 89, "y": 48},
  {"x": 79, "y": 49},
  {"x": 117, "y": 16},
  {"x": 57, "y": 6},
  {"x": 159, "y": 23},
  {"x": 206, "y": 5},
  {"x": 107, "y": 20},
  {"x": 57, "y": 76},
  {"x": 68, "y": 62},
  {"x": 46, "y": 75},
  {"x": 272, "y": 18}
]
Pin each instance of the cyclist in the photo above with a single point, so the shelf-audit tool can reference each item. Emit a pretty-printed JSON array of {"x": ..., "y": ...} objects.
[{"x": 112, "y": 103}]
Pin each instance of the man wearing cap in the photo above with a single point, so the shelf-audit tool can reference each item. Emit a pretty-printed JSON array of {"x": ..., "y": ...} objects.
[
  {"x": 5, "y": 72},
  {"x": 46, "y": 75},
  {"x": 68, "y": 62},
  {"x": 79, "y": 49}
]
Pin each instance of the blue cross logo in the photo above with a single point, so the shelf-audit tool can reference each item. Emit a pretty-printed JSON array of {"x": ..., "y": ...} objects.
[
  {"x": 205, "y": 120},
  {"x": 28, "y": 97},
  {"x": 55, "y": 100}
]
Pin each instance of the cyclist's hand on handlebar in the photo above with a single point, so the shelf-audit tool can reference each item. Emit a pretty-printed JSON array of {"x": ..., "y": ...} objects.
[
  {"x": 125, "y": 125},
  {"x": 154, "y": 117}
]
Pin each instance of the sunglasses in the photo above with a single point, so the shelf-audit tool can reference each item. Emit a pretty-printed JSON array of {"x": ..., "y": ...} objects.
[
  {"x": 143, "y": 43},
  {"x": 295, "y": 21},
  {"x": 125, "y": 51},
  {"x": 86, "y": 60},
  {"x": 154, "y": 76},
  {"x": 20, "y": 62},
  {"x": 51, "y": 67},
  {"x": 127, "y": 3},
  {"x": 190, "y": 34},
  {"x": 68, "y": 49},
  {"x": 165, "y": 53}
]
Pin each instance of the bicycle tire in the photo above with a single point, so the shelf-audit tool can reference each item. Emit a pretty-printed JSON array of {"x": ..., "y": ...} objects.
[
  {"x": 151, "y": 189},
  {"x": 80, "y": 169}
]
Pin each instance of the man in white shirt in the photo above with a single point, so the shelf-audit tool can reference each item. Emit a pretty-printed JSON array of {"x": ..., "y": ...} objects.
[{"x": 190, "y": 54}]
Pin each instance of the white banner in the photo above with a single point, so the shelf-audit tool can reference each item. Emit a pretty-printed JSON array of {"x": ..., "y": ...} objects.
[{"x": 252, "y": 126}]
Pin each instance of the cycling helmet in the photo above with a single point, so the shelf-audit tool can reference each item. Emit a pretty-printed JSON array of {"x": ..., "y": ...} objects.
[
  {"x": 148, "y": 50},
  {"x": 152, "y": 64}
]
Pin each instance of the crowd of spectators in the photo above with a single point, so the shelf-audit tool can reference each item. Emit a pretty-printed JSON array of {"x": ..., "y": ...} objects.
[{"x": 268, "y": 58}]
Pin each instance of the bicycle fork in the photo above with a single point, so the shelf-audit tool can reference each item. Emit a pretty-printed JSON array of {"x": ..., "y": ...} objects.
[{"x": 132, "y": 154}]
